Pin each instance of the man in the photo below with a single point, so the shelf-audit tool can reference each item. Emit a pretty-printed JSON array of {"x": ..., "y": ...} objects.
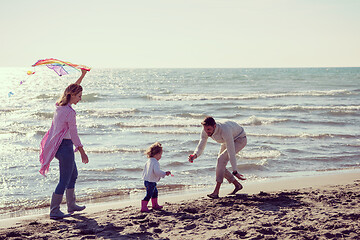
[{"x": 233, "y": 139}]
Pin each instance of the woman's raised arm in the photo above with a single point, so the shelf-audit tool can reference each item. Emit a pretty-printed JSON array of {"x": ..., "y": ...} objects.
[{"x": 83, "y": 72}]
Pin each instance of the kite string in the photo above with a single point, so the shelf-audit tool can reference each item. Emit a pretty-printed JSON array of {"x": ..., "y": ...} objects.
[{"x": 11, "y": 93}]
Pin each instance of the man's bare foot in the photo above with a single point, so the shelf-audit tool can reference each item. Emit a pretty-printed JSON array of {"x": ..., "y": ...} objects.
[{"x": 237, "y": 188}]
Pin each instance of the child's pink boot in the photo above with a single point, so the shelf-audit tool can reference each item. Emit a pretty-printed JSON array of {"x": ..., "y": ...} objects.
[
  {"x": 144, "y": 207},
  {"x": 155, "y": 204}
]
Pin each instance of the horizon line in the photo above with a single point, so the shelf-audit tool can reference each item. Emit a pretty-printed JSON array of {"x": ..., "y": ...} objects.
[{"x": 199, "y": 67}]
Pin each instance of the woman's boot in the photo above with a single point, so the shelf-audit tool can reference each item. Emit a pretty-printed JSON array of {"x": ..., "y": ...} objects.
[
  {"x": 55, "y": 212},
  {"x": 70, "y": 201}
]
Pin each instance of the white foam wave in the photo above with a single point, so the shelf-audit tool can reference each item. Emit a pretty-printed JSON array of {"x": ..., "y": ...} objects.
[
  {"x": 179, "y": 131},
  {"x": 43, "y": 115},
  {"x": 109, "y": 112},
  {"x": 193, "y": 97},
  {"x": 250, "y": 167},
  {"x": 192, "y": 115},
  {"x": 253, "y": 120},
  {"x": 301, "y": 108},
  {"x": 114, "y": 150},
  {"x": 108, "y": 169},
  {"x": 304, "y": 135},
  {"x": 92, "y": 97},
  {"x": 151, "y": 125},
  {"x": 259, "y": 155},
  {"x": 159, "y": 121}
]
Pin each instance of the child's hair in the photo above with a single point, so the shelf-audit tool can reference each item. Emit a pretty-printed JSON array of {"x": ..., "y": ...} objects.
[
  {"x": 154, "y": 149},
  {"x": 72, "y": 89}
]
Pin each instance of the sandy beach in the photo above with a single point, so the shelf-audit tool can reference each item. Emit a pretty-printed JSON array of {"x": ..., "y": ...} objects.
[{"x": 314, "y": 207}]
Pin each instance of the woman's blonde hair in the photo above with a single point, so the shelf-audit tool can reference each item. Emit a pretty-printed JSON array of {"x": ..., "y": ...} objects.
[
  {"x": 154, "y": 149},
  {"x": 72, "y": 89}
]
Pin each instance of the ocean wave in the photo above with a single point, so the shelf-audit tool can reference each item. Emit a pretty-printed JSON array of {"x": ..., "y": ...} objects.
[
  {"x": 259, "y": 155},
  {"x": 94, "y": 125},
  {"x": 191, "y": 115},
  {"x": 250, "y": 96},
  {"x": 305, "y": 135},
  {"x": 176, "y": 164},
  {"x": 24, "y": 130},
  {"x": 253, "y": 120},
  {"x": 115, "y": 150},
  {"x": 344, "y": 113},
  {"x": 354, "y": 145},
  {"x": 47, "y": 96},
  {"x": 110, "y": 113},
  {"x": 107, "y": 169},
  {"x": 31, "y": 149},
  {"x": 132, "y": 169},
  {"x": 17, "y": 205},
  {"x": 300, "y": 108},
  {"x": 338, "y": 158},
  {"x": 197, "y": 171},
  {"x": 92, "y": 97},
  {"x": 114, "y": 169},
  {"x": 251, "y": 167},
  {"x": 345, "y": 167},
  {"x": 152, "y": 125},
  {"x": 43, "y": 115},
  {"x": 7, "y": 110},
  {"x": 40, "y": 132},
  {"x": 328, "y": 123},
  {"x": 176, "y": 132},
  {"x": 241, "y": 167},
  {"x": 257, "y": 121}
]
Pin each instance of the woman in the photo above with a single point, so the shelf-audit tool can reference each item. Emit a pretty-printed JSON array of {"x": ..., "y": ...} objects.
[{"x": 58, "y": 142}]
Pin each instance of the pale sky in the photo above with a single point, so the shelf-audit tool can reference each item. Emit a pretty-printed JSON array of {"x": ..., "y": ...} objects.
[{"x": 181, "y": 33}]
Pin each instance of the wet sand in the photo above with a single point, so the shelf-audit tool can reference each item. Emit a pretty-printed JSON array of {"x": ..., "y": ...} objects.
[{"x": 321, "y": 207}]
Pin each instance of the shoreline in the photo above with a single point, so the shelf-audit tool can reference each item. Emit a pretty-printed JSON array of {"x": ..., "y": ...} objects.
[
  {"x": 324, "y": 180},
  {"x": 250, "y": 187}
]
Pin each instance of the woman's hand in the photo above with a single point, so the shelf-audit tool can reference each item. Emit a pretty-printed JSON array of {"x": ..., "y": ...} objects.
[
  {"x": 168, "y": 173},
  {"x": 84, "y": 158}
]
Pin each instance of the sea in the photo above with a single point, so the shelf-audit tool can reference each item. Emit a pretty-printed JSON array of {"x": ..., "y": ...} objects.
[{"x": 298, "y": 121}]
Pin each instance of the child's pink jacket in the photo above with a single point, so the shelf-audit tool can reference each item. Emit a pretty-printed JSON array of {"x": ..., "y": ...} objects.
[{"x": 64, "y": 120}]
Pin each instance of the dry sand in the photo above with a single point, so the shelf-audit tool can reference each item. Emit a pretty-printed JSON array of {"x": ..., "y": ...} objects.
[{"x": 321, "y": 207}]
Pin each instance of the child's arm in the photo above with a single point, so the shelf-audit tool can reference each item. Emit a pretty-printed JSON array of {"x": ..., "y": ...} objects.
[{"x": 157, "y": 170}]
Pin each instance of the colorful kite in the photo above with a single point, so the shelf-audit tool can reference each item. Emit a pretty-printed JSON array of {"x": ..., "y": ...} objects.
[{"x": 60, "y": 67}]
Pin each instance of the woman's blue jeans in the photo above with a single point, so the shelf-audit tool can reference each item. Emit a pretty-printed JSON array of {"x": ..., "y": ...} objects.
[
  {"x": 151, "y": 190},
  {"x": 67, "y": 166}
]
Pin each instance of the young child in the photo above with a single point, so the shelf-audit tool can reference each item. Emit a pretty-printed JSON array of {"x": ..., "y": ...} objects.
[{"x": 151, "y": 176}]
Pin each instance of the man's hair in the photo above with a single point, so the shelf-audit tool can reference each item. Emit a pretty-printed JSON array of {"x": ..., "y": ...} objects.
[{"x": 208, "y": 121}]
